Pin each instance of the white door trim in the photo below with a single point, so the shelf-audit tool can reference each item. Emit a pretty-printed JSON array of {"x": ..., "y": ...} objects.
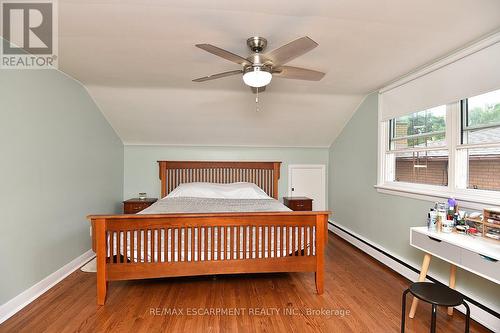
[{"x": 322, "y": 167}]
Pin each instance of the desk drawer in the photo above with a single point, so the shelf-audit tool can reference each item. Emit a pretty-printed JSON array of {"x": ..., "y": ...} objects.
[
  {"x": 436, "y": 247},
  {"x": 481, "y": 264}
]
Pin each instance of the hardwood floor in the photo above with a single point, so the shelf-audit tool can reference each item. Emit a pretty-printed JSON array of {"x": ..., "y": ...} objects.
[{"x": 361, "y": 295}]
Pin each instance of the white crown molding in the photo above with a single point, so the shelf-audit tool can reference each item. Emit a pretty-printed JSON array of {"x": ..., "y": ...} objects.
[
  {"x": 454, "y": 56},
  {"x": 173, "y": 145},
  {"x": 17, "y": 303}
]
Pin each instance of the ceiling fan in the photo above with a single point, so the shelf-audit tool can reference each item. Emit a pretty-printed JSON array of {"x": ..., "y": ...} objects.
[{"x": 259, "y": 68}]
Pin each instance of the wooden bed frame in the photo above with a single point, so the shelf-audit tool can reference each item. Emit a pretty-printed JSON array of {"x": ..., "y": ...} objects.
[{"x": 281, "y": 232}]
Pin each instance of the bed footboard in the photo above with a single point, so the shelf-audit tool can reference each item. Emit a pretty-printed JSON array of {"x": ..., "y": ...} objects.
[{"x": 167, "y": 245}]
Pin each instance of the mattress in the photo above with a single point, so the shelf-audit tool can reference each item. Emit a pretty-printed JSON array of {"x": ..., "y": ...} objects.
[{"x": 258, "y": 249}]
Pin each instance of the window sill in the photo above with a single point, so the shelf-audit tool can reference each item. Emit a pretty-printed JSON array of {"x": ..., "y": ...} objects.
[{"x": 472, "y": 199}]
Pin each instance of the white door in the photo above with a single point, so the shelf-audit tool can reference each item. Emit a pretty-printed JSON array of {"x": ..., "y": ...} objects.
[{"x": 308, "y": 181}]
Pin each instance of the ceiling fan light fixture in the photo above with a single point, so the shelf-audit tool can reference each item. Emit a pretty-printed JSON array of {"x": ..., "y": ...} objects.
[{"x": 257, "y": 76}]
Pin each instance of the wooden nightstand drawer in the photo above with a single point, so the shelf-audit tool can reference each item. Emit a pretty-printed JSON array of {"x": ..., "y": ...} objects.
[
  {"x": 133, "y": 206},
  {"x": 298, "y": 203}
]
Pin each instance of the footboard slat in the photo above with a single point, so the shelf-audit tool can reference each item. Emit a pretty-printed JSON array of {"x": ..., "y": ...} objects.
[
  {"x": 138, "y": 247},
  {"x": 132, "y": 245},
  {"x": 192, "y": 243},
  {"x": 212, "y": 243},
  {"x": 250, "y": 243},
  {"x": 226, "y": 242},
  {"x": 294, "y": 241},
  {"x": 309, "y": 241},
  {"x": 198, "y": 246},
  {"x": 284, "y": 242},
  {"x": 159, "y": 236},
  {"x": 220, "y": 231},
  {"x": 246, "y": 242},
  {"x": 185, "y": 247},
  {"x": 157, "y": 242},
  {"x": 151, "y": 240},
  {"x": 232, "y": 246},
  {"x": 178, "y": 240},
  {"x": 119, "y": 247},
  {"x": 110, "y": 236},
  {"x": 165, "y": 245}
]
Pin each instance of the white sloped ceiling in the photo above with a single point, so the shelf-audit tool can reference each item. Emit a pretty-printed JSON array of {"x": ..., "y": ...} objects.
[{"x": 137, "y": 59}]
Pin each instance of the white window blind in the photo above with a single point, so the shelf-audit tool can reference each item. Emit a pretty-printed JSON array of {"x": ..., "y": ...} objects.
[{"x": 462, "y": 77}]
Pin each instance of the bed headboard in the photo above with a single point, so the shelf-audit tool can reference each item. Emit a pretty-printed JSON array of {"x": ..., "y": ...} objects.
[{"x": 264, "y": 174}]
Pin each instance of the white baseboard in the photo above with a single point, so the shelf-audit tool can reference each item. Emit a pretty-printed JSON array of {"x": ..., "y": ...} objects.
[
  {"x": 484, "y": 318},
  {"x": 14, "y": 305}
]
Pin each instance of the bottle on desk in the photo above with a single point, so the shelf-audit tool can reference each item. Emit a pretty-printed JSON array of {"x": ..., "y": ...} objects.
[
  {"x": 432, "y": 223},
  {"x": 441, "y": 214}
]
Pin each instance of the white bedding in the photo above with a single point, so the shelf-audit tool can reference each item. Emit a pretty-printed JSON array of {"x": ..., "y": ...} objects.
[{"x": 240, "y": 190}]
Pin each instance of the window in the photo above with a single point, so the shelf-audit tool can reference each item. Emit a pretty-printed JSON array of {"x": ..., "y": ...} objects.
[
  {"x": 449, "y": 150},
  {"x": 417, "y": 143},
  {"x": 480, "y": 140}
]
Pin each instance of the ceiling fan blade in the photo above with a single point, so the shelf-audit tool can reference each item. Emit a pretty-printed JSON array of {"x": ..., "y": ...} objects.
[
  {"x": 290, "y": 51},
  {"x": 261, "y": 89},
  {"x": 224, "y": 54},
  {"x": 218, "y": 75},
  {"x": 289, "y": 72}
]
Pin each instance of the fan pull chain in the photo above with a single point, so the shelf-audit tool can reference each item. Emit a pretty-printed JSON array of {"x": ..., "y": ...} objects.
[{"x": 257, "y": 108}]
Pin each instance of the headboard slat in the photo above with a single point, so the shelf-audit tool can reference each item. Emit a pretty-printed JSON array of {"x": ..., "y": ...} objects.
[{"x": 263, "y": 174}]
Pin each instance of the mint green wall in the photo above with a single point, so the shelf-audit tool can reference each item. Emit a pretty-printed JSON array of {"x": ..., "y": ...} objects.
[
  {"x": 59, "y": 161},
  {"x": 384, "y": 219},
  {"x": 141, "y": 169}
]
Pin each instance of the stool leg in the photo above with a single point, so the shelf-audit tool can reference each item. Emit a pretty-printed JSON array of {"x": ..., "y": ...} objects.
[
  {"x": 433, "y": 319},
  {"x": 423, "y": 273},
  {"x": 403, "y": 310},
  {"x": 467, "y": 317},
  {"x": 453, "y": 274}
]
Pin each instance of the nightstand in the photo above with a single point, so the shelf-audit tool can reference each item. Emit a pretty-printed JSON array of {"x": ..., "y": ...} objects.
[
  {"x": 135, "y": 205},
  {"x": 298, "y": 203}
]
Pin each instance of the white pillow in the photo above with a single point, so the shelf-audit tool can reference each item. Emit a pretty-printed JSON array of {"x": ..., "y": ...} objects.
[{"x": 219, "y": 191}]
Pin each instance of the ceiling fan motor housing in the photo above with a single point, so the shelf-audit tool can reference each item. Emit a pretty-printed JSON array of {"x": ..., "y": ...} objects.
[{"x": 257, "y": 44}]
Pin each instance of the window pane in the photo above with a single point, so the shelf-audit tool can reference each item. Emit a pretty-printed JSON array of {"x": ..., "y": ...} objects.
[
  {"x": 420, "y": 129},
  {"x": 437, "y": 140},
  {"x": 484, "y": 109},
  {"x": 486, "y": 135},
  {"x": 429, "y": 167},
  {"x": 484, "y": 168}
]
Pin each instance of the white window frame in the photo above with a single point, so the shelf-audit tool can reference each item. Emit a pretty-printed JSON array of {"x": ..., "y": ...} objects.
[{"x": 457, "y": 168}]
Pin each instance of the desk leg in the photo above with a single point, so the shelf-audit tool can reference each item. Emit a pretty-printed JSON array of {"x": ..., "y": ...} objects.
[
  {"x": 423, "y": 273},
  {"x": 453, "y": 273}
]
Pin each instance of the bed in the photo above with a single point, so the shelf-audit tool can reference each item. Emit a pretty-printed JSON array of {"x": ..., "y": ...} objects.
[{"x": 212, "y": 218}]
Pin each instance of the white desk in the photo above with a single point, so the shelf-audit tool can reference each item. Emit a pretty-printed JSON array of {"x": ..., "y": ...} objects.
[{"x": 478, "y": 255}]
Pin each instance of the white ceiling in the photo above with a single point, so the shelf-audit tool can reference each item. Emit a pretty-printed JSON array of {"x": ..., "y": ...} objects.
[{"x": 138, "y": 59}]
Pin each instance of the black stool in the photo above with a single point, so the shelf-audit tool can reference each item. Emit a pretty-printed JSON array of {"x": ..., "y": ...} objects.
[{"x": 436, "y": 294}]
